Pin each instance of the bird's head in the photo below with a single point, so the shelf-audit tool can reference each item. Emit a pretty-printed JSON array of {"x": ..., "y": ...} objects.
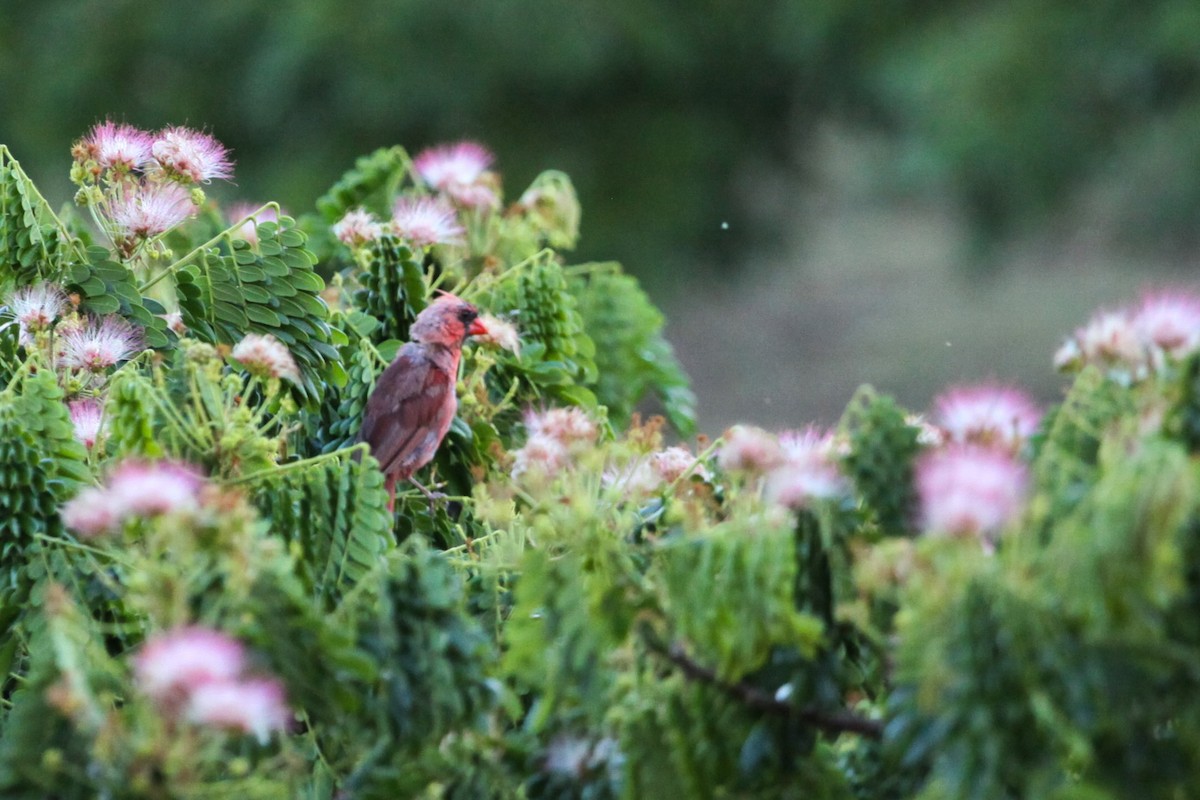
[{"x": 448, "y": 321}]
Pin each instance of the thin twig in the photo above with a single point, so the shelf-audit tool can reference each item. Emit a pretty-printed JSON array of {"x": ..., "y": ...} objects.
[{"x": 757, "y": 699}]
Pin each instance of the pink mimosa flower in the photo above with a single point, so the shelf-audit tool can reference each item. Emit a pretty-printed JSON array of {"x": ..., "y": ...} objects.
[
  {"x": 36, "y": 307},
  {"x": 567, "y": 425},
  {"x": 150, "y": 209},
  {"x": 255, "y": 706},
  {"x": 967, "y": 489},
  {"x": 153, "y": 488},
  {"x": 99, "y": 344},
  {"x": 809, "y": 470},
  {"x": 1171, "y": 321},
  {"x": 93, "y": 512},
  {"x": 87, "y": 414},
  {"x": 542, "y": 455},
  {"x": 267, "y": 357},
  {"x": 446, "y": 166},
  {"x": 749, "y": 449},
  {"x": 174, "y": 664},
  {"x": 426, "y": 221},
  {"x": 987, "y": 414},
  {"x": 357, "y": 228},
  {"x": 501, "y": 333},
  {"x": 191, "y": 156},
  {"x": 118, "y": 147}
]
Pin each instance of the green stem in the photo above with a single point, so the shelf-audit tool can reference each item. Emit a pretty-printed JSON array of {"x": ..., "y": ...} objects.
[
  {"x": 31, "y": 186},
  {"x": 708, "y": 451},
  {"x": 307, "y": 462},
  {"x": 81, "y": 547},
  {"x": 594, "y": 268},
  {"x": 172, "y": 269}
]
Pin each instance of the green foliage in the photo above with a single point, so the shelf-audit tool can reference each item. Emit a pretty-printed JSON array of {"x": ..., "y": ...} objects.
[
  {"x": 60, "y": 708},
  {"x": 272, "y": 289},
  {"x": 632, "y": 356},
  {"x": 41, "y": 466},
  {"x": 589, "y": 614},
  {"x": 731, "y": 593},
  {"x": 372, "y": 180},
  {"x": 438, "y": 657},
  {"x": 557, "y": 355},
  {"x": 30, "y": 241},
  {"x": 1070, "y": 447},
  {"x": 1184, "y": 419},
  {"x": 131, "y": 414},
  {"x": 106, "y": 286},
  {"x": 393, "y": 288},
  {"x": 336, "y": 423},
  {"x": 880, "y": 461},
  {"x": 334, "y": 514}
]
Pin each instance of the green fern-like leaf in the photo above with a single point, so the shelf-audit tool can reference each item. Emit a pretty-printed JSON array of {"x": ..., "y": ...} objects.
[
  {"x": 393, "y": 288},
  {"x": 1068, "y": 452},
  {"x": 272, "y": 289},
  {"x": 334, "y": 425},
  {"x": 31, "y": 245},
  {"x": 334, "y": 513},
  {"x": 880, "y": 462},
  {"x": 39, "y": 404},
  {"x": 437, "y": 654},
  {"x": 109, "y": 287},
  {"x": 131, "y": 417},
  {"x": 632, "y": 356},
  {"x": 67, "y": 652},
  {"x": 372, "y": 180},
  {"x": 730, "y": 595}
]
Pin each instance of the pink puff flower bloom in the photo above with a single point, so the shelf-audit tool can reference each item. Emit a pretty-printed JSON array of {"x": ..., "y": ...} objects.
[
  {"x": 36, "y": 307},
  {"x": 749, "y": 449},
  {"x": 453, "y": 165},
  {"x": 148, "y": 489},
  {"x": 191, "y": 156},
  {"x": 567, "y": 425},
  {"x": 255, "y": 706},
  {"x": 542, "y": 454},
  {"x": 674, "y": 463},
  {"x": 426, "y": 221},
  {"x": 174, "y": 664},
  {"x": 151, "y": 209},
  {"x": 1169, "y": 320},
  {"x": 98, "y": 345},
  {"x": 266, "y": 356},
  {"x": 809, "y": 470},
  {"x": 119, "y": 147},
  {"x": 479, "y": 196},
  {"x": 93, "y": 512},
  {"x": 357, "y": 228},
  {"x": 500, "y": 333},
  {"x": 969, "y": 490},
  {"x": 1111, "y": 336},
  {"x": 987, "y": 414},
  {"x": 87, "y": 414}
]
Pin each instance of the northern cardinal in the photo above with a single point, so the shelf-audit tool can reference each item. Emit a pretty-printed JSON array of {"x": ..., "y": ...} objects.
[{"x": 413, "y": 402}]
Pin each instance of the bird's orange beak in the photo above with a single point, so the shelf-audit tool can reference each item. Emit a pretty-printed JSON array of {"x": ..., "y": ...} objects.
[{"x": 477, "y": 328}]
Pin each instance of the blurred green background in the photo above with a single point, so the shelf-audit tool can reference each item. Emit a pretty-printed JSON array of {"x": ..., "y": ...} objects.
[{"x": 818, "y": 193}]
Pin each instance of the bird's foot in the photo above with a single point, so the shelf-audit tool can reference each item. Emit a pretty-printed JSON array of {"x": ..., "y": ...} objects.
[{"x": 433, "y": 497}]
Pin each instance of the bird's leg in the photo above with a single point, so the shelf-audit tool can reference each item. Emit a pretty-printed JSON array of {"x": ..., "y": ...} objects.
[
  {"x": 432, "y": 497},
  {"x": 391, "y": 490}
]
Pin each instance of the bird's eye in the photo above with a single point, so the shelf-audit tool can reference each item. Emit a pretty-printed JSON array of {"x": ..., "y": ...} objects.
[{"x": 467, "y": 315}]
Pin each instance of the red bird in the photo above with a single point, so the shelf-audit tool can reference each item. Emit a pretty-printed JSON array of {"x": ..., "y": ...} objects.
[{"x": 414, "y": 402}]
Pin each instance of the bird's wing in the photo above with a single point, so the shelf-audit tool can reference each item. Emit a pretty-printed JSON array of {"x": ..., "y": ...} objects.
[{"x": 404, "y": 407}]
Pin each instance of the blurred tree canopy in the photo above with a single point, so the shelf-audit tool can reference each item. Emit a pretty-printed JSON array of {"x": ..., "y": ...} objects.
[{"x": 659, "y": 109}]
